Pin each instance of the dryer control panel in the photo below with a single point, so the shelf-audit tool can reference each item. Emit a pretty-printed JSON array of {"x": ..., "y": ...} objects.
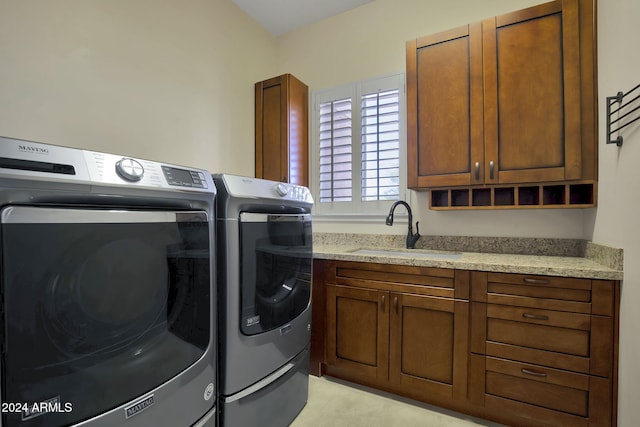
[
  {"x": 184, "y": 177},
  {"x": 34, "y": 161},
  {"x": 112, "y": 169}
]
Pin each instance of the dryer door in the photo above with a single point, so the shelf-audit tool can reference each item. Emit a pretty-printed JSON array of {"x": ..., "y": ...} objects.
[{"x": 100, "y": 306}]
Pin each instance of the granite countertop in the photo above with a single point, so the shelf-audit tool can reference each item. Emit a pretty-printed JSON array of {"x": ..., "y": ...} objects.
[{"x": 565, "y": 266}]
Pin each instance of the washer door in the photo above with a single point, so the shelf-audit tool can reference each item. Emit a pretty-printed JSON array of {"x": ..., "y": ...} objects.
[
  {"x": 100, "y": 306},
  {"x": 276, "y": 254}
]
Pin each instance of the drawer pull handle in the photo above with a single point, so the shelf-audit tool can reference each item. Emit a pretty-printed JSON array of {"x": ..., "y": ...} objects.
[
  {"x": 533, "y": 373},
  {"x": 536, "y": 281},
  {"x": 384, "y": 300},
  {"x": 535, "y": 316},
  {"x": 395, "y": 304}
]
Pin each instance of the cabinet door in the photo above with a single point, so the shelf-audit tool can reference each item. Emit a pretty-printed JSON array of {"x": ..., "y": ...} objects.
[
  {"x": 271, "y": 125},
  {"x": 532, "y": 94},
  {"x": 444, "y": 108},
  {"x": 281, "y": 130},
  {"x": 429, "y": 345},
  {"x": 358, "y": 332}
]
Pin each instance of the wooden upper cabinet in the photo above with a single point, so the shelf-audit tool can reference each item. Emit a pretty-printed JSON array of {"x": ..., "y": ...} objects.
[
  {"x": 508, "y": 100},
  {"x": 444, "y": 107},
  {"x": 532, "y": 94},
  {"x": 281, "y": 130}
]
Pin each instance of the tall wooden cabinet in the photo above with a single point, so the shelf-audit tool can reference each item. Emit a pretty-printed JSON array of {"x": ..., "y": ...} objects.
[
  {"x": 281, "y": 130},
  {"x": 508, "y": 100}
]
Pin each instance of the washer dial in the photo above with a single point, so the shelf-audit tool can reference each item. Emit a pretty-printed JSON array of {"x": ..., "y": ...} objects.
[{"x": 129, "y": 169}]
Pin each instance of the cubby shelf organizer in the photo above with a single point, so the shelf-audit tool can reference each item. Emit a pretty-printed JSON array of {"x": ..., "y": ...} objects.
[{"x": 526, "y": 196}]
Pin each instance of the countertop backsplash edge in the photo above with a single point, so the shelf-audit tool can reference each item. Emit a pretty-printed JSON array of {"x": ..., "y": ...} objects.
[
  {"x": 606, "y": 255},
  {"x": 498, "y": 245}
]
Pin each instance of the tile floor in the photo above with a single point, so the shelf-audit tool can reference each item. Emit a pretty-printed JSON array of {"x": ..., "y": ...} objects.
[{"x": 337, "y": 403}]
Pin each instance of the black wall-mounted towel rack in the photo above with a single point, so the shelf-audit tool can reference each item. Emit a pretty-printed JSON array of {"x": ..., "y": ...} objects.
[{"x": 624, "y": 118}]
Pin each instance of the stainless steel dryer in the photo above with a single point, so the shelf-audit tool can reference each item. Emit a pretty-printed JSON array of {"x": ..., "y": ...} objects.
[
  {"x": 108, "y": 309},
  {"x": 264, "y": 287}
]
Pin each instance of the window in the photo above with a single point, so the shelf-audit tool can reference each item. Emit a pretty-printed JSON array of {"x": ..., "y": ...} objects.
[{"x": 359, "y": 145}]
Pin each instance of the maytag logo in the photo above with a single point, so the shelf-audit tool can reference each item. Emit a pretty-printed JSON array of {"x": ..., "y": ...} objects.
[
  {"x": 33, "y": 149},
  {"x": 139, "y": 406}
]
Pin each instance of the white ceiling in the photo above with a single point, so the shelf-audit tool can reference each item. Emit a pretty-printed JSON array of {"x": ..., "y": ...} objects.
[{"x": 281, "y": 16}]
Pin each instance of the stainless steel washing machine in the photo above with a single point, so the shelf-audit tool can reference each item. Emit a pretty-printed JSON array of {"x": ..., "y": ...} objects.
[
  {"x": 108, "y": 309},
  {"x": 264, "y": 287}
]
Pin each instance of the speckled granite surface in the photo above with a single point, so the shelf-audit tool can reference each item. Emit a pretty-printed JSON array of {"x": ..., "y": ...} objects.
[
  {"x": 605, "y": 255},
  {"x": 540, "y": 255},
  {"x": 501, "y": 245}
]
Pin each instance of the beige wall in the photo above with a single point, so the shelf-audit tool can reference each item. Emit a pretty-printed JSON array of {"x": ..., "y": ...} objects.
[
  {"x": 164, "y": 80},
  {"x": 617, "y": 220},
  {"x": 370, "y": 40}
]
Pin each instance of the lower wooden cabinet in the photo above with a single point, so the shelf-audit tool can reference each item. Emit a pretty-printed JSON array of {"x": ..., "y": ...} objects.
[
  {"x": 543, "y": 348},
  {"x": 398, "y": 328},
  {"x": 398, "y": 339},
  {"x": 429, "y": 345},
  {"x": 517, "y": 349},
  {"x": 358, "y": 332}
]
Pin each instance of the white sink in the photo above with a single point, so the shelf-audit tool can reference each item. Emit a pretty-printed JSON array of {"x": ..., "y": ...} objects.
[{"x": 411, "y": 253}]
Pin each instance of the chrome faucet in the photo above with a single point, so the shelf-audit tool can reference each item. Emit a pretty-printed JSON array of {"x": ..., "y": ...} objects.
[{"x": 411, "y": 238}]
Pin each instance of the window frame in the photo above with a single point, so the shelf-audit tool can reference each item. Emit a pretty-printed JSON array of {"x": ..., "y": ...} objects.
[{"x": 357, "y": 208}]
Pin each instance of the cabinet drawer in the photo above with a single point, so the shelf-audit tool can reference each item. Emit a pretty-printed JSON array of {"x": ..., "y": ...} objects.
[
  {"x": 572, "y": 341},
  {"x": 548, "y": 330},
  {"x": 547, "y": 281},
  {"x": 543, "y": 292},
  {"x": 537, "y": 385},
  {"x": 541, "y": 317},
  {"x": 541, "y": 337},
  {"x": 430, "y": 281}
]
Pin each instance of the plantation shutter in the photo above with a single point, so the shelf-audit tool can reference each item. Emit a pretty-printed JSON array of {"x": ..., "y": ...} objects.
[
  {"x": 380, "y": 134},
  {"x": 336, "y": 180}
]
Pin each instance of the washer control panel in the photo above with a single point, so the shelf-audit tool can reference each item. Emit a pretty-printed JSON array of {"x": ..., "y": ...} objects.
[{"x": 242, "y": 186}]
